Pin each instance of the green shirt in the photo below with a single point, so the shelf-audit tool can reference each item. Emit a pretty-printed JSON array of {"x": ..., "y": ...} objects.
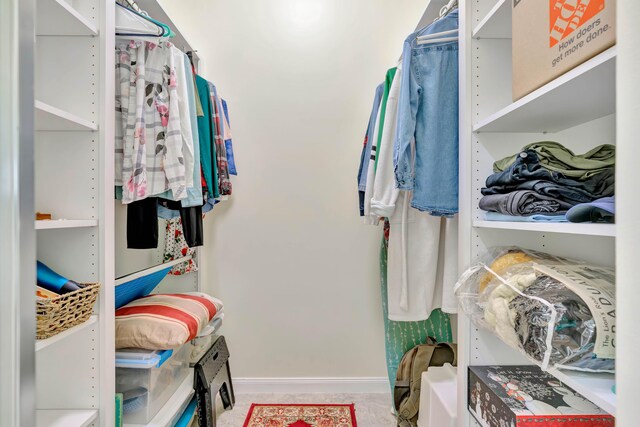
[
  {"x": 207, "y": 139},
  {"x": 383, "y": 107},
  {"x": 554, "y": 156}
]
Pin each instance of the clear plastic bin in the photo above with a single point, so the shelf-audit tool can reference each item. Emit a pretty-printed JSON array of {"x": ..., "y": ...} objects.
[
  {"x": 203, "y": 342},
  {"x": 147, "y": 379}
]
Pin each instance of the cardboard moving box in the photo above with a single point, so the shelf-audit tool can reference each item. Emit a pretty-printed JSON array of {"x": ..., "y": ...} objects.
[{"x": 550, "y": 37}]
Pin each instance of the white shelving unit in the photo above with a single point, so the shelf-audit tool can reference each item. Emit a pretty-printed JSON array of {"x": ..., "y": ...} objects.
[
  {"x": 174, "y": 407},
  {"x": 496, "y": 24},
  {"x": 42, "y": 344},
  {"x": 599, "y": 387},
  {"x": 583, "y": 94},
  {"x": 49, "y": 118},
  {"x": 585, "y": 229},
  {"x": 59, "y": 18},
  {"x": 65, "y": 418},
  {"x": 74, "y": 107},
  {"x": 577, "y": 109},
  {"x": 55, "y": 224}
]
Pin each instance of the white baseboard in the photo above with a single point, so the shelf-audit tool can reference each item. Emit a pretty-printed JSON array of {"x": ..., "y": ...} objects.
[{"x": 311, "y": 385}]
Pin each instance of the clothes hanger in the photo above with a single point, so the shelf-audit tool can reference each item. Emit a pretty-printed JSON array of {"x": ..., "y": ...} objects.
[
  {"x": 449, "y": 33},
  {"x": 169, "y": 32},
  {"x": 139, "y": 26},
  {"x": 430, "y": 38},
  {"x": 442, "y": 40},
  {"x": 129, "y": 21},
  {"x": 447, "y": 8}
]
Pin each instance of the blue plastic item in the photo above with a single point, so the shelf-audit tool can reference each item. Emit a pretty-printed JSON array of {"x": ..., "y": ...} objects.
[
  {"x": 187, "y": 415},
  {"x": 52, "y": 281},
  {"x": 134, "y": 400},
  {"x": 141, "y": 359},
  {"x": 138, "y": 288}
]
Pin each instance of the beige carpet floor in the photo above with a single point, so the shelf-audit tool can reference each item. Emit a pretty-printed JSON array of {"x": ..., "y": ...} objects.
[{"x": 372, "y": 410}]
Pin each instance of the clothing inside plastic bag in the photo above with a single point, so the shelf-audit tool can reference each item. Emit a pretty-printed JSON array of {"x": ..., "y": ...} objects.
[
  {"x": 544, "y": 306},
  {"x": 574, "y": 332}
]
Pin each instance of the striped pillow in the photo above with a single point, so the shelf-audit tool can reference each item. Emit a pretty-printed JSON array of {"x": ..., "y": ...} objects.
[{"x": 164, "y": 321}]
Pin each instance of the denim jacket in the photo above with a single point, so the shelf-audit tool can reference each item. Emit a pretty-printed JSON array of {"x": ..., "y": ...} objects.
[
  {"x": 366, "y": 151},
  {"x": 428, "y": 111}
]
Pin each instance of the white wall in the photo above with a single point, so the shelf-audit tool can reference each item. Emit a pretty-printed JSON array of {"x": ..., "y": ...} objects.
[{"x": 288, "y": 255}]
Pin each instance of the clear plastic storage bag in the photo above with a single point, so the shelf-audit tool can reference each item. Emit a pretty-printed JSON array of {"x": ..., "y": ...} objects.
[{"x": 559, "y": 312}]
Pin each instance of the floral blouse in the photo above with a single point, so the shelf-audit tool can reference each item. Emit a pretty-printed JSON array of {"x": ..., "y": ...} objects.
[{"x": 150, "y": 140}]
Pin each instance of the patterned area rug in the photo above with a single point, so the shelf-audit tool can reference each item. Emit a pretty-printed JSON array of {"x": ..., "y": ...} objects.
[{"x": 298, "y": 415}]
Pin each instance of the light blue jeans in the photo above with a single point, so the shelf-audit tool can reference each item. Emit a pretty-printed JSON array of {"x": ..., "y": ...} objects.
[{"x": 428, "y": 113}]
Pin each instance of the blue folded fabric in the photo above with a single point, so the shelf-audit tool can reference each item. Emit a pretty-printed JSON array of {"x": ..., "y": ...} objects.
[
  {"x": 601, "y": 210},
  {"x": 494, "y": 216}
]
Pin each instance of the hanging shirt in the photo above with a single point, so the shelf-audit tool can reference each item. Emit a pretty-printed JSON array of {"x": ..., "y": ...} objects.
[
  {"x": 184, "y": 114},
  {"x": 361, "y": 193},
  {"x": 152, "y": 145},
  {"x": 182, "y": 76},
  {"x": 385, "y": 193},
  {"x": 228, "y": 143},
  {"x": 369, "y": 218},
  {"x": 383, "y": 109},
  {"x": 194, "y": 192},
  {"x": 224, "y": 182},
  {"x": 368, "y": 141},
  {"x": 199, "y": 111},
  {"x": 207, "y": 139},
  {"x": 428, "y": 115}
]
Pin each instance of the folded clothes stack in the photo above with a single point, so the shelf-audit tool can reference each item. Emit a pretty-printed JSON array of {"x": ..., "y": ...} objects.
[{"x": 546, "y": 182}]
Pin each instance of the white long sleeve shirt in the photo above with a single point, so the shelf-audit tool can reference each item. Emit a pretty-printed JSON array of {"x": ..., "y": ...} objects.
[
  {"x": 385, "y": 193},
  {"x": 182, "y": 74}
]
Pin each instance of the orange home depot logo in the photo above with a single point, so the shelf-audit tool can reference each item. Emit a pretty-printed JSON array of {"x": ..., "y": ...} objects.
[{"x": 567, "y": 15}]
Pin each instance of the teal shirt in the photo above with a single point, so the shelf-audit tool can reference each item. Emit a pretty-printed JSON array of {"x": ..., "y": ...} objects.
[{"x": 207, "y": 139}]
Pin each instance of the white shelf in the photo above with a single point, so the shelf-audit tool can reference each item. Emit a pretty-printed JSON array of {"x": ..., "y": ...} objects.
[
  {"x": 41, "y": 344},
  {"x": 55, "y": 224},
  {"x": 588, "y": 229},
  {"x": 65, "y": 417},
  {"x": 583, "y": 94},
  {"x": 497, "y": 23},
  {"x": 147, "y": 271},
  {"x": 59, "y": 18},
  {"x": 175, "y": 404},
  {"x": 595, "y": 387},
  {"x": 49, "y": 118}
]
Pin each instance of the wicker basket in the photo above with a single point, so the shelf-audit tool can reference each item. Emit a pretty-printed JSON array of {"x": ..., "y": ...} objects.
[{"x": 55, "y": 315}]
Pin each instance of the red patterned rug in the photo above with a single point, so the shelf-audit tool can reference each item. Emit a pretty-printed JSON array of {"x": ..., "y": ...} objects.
[{"x": 301, "y": 416}]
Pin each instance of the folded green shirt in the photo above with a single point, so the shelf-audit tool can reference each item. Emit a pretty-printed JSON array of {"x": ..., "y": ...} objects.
[{"x": 556, "y": 157}]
